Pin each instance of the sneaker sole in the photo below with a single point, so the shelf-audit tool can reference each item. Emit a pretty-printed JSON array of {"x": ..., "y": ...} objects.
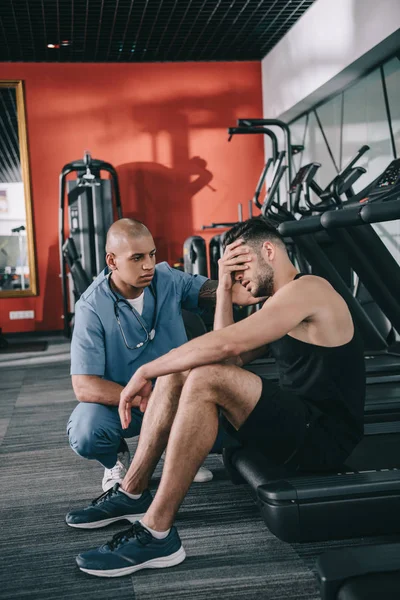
[
  {"x": 203, "y": 478},
  {"x": 105, "y": 522},
  {"x": 155, "y": 563}
]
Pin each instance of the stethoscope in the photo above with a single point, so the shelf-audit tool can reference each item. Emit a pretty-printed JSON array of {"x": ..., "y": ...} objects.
[{"x": 150, "y": 335}]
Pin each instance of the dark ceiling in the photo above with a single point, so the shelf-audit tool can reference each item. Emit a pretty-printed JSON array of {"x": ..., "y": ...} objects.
[{"x": 144, "y": 30}]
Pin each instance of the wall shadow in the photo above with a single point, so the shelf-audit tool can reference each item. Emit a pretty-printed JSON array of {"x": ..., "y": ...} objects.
[{"x": 160, "y": 197}]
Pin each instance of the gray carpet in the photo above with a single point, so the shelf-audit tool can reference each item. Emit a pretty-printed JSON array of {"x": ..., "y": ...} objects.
[{"x": 230, "y": 553}]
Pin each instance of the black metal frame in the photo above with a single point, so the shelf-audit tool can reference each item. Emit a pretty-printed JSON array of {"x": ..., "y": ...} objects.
[{"x": 80, "y": 167}]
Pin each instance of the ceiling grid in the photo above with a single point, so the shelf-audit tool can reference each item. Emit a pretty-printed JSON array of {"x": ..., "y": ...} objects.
[{"x": 143, "y": 30}]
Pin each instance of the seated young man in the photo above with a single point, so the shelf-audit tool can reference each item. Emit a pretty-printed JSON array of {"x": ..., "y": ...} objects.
[{"x": 313, "y": 418}]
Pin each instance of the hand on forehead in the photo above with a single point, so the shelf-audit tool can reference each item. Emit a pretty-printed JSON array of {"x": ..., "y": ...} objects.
[{"x": 239, "y": 247}]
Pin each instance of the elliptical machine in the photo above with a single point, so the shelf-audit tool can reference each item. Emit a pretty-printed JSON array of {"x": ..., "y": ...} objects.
[{"x": 92, "y": 203}]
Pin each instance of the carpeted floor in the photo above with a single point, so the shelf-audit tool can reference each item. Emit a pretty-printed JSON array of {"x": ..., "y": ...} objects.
[{"x": 231, "y": 554}]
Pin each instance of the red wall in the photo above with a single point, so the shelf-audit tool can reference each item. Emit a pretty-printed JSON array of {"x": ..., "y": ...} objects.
[{"x": 162, "y": 126}]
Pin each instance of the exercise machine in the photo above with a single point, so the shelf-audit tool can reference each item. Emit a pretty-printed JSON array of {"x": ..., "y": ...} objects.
[
  {"x": 93, "y": 204},
  {"x": 195, "y": 255},
  {"x": 360, "y": 573}
]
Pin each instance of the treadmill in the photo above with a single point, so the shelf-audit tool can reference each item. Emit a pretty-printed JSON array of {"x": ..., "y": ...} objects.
[
  {"x": 360, "y": 573},
  {"x": 377, "y": 269},
  {"x": 360, "y": 499},
  {"x": 375, "y": 328},
  {"x": 382, "y": 366}
]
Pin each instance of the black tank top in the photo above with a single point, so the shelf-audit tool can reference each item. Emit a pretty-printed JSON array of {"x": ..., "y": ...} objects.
[{"x": 330, "y": 380}]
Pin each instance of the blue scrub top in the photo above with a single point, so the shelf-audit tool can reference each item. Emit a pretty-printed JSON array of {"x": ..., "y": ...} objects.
[{"x": 98, "y": 347}]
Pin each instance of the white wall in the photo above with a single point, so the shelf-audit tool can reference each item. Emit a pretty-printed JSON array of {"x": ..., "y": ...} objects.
[{"x": 331, "y": 44}]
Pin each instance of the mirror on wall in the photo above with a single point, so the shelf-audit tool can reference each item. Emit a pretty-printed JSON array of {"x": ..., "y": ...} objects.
[{"x": 17, "y": 256}]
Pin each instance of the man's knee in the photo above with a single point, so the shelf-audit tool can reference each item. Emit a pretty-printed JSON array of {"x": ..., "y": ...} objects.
[
  {"x": 206, "y": 378},
  {"x": 172, "y": 382},
  {"x": 82, "y": 439},
  {"x": 93, "y": 429}
]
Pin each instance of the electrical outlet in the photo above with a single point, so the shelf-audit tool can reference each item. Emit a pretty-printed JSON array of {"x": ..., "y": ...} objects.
[{"x": 22, "y": 314}]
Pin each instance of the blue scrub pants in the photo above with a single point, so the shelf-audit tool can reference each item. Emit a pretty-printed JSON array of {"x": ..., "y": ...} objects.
[{"x": 95, "y": 432}]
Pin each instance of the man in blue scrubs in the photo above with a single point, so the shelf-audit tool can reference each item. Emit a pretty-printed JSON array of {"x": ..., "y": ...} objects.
[{"x": 130, "y": 315}]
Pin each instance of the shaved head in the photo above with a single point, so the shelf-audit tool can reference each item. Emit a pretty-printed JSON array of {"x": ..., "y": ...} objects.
[
  {"x": 122, "y": 232},
  {"x": 130, "y": 257}
]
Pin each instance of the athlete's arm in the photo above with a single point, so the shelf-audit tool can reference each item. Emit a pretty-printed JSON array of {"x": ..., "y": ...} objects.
[
  {"x": 280, "y": 314},
  {"x": 290, "y": 306}
]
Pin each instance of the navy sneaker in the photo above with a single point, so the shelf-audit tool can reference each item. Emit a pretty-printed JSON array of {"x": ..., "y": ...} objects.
[
  {"x": 132, "y": 550},
  {"x": 108, "y": 508}
]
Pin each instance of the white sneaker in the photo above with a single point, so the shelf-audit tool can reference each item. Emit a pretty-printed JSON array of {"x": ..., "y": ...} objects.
[
  {"x": 117, "y": 473},
  {"x": 202, "y": 474}
]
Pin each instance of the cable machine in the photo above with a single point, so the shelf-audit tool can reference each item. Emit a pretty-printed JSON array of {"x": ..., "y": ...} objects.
[{"x": 92, "y": 203}]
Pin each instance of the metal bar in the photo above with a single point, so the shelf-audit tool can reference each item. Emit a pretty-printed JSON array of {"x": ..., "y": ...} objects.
[
  {"x": 389, "y": 118},
  {"x": 85, "y": 29},
  {"x": 7, "y": 112},
  {"x": 166, "y": 27},
  {"x": 285, "y": 127},
  {"x": 139, "y": 28},
  {"x": 99, "y": 29},
  {"x": 5, "y": 38},
  {"x": 71, "y": 37},
  {"x": 31, "y": 30},
  {"x": 205, "y": 26},
  {"x": 16, "y": 29},
  {"x": 45, "y": 30},
  {"x": 148, "y": 41},
  {"x": 304, "y": 139},
  {"x": 191, "y": 29},
  {"x": 9, "y": 161},
  {"x": 253, "y": 42},
  {"x": 15, "y": 159},
  {"x": 179, "y": 27},
  {"x": 326, "y": 140},
  {"x": 8, "y": 164},
  {"x": 217, "y": 28},
  {"x": 250, "y": 17},
  {"x": 341, "y": 131},
  {"x": 58, "y": 29},
  {"x": 231, "y": 25},
  {"x": 112, "y": 28},
  {"x": 278, "y": 30},
  {"x": 128, "y": 20}
]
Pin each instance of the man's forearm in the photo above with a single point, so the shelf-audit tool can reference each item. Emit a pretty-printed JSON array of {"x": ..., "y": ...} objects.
[
  {"x": 95, "y": 389},
  {"x": 223, "y": 310},
  {"x": 210, "y": 348}
]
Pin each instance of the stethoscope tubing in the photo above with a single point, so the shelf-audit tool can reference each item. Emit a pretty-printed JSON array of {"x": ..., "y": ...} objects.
[{"x": 149, "y": 334}]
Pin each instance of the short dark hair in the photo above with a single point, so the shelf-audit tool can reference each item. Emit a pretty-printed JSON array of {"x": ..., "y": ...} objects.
[{"x": 254, "y": 231}]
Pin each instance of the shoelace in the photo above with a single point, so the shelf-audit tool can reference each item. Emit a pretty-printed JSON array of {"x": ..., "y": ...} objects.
[
  {"x": 106, "y": 495},
  {"x": 137, "y": 530}
]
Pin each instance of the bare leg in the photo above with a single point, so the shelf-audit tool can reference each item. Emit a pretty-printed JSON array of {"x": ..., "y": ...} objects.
[
  {"x": 194, "y": 430},
  {"x": 156, "y": 426}
]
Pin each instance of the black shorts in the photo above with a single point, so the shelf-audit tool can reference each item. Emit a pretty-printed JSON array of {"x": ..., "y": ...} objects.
[{"x": 288, "y": 430}]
